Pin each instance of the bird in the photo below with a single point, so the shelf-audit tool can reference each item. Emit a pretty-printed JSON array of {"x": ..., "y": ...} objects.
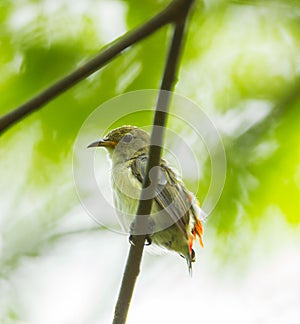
[{"x": 175, "y": 217}]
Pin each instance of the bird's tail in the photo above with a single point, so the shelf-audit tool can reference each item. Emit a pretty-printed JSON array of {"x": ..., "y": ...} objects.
[{"x": 190, "y": 258}]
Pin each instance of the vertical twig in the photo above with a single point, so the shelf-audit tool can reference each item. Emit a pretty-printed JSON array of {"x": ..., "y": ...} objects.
[{"x": 132, "y": 268}]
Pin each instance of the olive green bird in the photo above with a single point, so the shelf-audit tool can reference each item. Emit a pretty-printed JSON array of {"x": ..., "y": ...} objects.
[{"x": 175, "y": 213}]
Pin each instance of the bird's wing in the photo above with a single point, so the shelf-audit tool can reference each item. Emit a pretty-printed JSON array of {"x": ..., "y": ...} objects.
[{"x": 171, "y": 195}]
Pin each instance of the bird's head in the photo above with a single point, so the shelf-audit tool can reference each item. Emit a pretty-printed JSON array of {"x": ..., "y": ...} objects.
[{"x": 124, "y": 143}]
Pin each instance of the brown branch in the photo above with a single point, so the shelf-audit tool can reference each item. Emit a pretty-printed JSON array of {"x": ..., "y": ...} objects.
[
  {"x": 132, "y": 268},
  {"x": 166, "y": 16}
]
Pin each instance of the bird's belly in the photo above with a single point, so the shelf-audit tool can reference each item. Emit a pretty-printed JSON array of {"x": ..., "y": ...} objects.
[
  {"x": 127, "y": 191},
  {"x": 164, "y": 235}
]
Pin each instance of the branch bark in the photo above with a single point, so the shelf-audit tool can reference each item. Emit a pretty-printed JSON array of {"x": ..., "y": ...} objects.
[
  {"x": 132, "y": 268},
  {"x": 168, "y": 15}
]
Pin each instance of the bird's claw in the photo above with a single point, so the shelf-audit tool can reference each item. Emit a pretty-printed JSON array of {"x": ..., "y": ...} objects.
[
  {"x": 131, "y": 241},
  {"x": 133, "y": 230},
  {"x": 148, "y": 240}
]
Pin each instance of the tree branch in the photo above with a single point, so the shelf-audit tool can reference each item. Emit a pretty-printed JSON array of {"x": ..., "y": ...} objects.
[
  {"x": 166, "y": 16},
  {"x": 132, "y": 268},
  {"x": 285, "y": 101}
]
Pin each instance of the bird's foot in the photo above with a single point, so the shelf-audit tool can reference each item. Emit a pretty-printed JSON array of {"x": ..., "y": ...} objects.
[
  {"x": 148, "y": 230},
  {"x": 148, "y": 240},
  {"x": 131, "y": 240}
]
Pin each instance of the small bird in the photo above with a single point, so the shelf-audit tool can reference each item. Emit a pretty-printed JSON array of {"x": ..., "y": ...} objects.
[{"x": 175, "y": 213}]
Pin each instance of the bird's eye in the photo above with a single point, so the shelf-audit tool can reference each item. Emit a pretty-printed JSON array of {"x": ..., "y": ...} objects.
[{"x": 127, "y": 138}]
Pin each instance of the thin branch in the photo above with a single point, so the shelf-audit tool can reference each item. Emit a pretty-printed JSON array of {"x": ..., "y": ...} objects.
[
  {"x": 57, "y": 236},
  {"x": 285, "y": 102},
  {"x": 166, "y": 16},
  {"x": 132, "y": 268},
  {"x": 13, "y": 261}
]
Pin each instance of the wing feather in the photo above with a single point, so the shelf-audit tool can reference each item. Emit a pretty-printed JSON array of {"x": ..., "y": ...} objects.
[{"x": 171, "y": 196}]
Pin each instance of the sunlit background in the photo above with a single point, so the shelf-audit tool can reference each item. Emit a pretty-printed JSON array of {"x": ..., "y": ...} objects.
[{"x": 241, "y": 65}]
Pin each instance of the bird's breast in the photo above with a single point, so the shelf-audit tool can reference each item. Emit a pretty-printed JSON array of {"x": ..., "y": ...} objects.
[{"x": 126, "y": 188}]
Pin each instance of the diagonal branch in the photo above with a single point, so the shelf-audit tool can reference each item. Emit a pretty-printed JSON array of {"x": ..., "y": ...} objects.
[
  {"x": 166, "y": 16},
  {"x": 285, "y": 102},
  {"x": 132, "y": 268}
]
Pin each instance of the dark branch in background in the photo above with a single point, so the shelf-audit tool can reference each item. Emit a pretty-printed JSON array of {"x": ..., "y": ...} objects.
[
  {"x": 166, "y": 16},
  {"x": 58, "y": 236},
  {"x": 285, "y": 102},
  {"x": 14, "y": 260},
  {"x": 132, "y": 268}
]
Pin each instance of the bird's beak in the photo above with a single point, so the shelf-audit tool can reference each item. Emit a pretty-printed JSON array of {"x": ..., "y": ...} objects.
[{"x": 103, "y": 143}]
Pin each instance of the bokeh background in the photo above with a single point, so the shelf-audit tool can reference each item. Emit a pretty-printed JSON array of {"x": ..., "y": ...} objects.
[{"x": 241, "y": 64}]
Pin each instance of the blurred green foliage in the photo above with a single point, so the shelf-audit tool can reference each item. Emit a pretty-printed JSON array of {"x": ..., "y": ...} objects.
[{"x": 236, "y": 53}]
